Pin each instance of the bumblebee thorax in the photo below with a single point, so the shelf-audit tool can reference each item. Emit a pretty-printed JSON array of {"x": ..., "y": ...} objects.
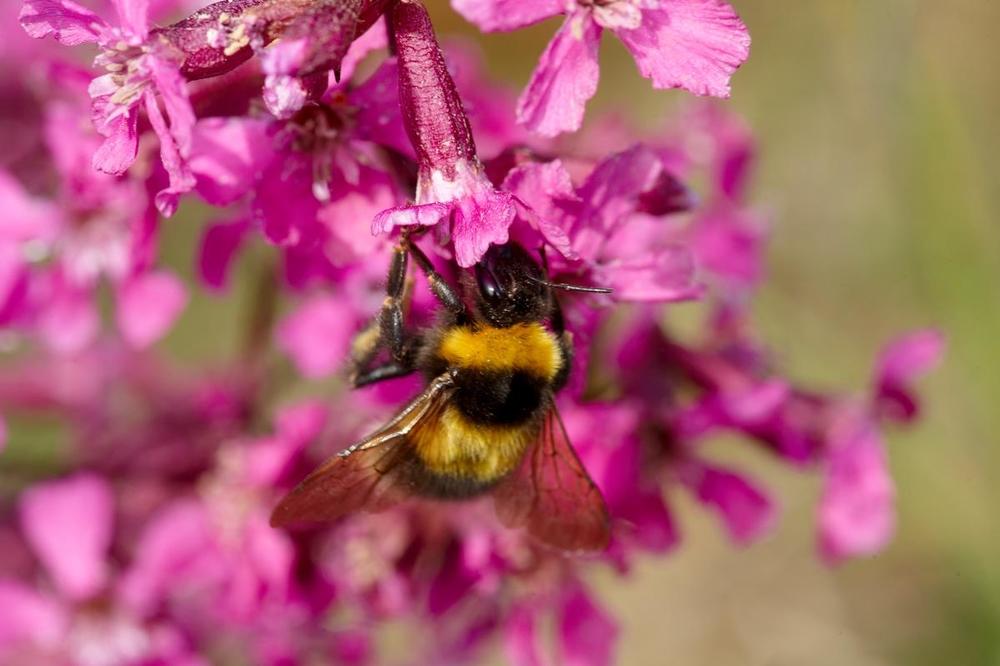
[{"x": 529, "y": 348}]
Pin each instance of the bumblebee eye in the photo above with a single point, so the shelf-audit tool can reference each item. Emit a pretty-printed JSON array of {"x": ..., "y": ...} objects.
[{"x": 488, "y": 285}]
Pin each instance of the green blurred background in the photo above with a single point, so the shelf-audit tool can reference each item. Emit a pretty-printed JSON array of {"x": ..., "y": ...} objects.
[
  {"x": 878, "y": 129},
  {"x": 877, "y": 126}
]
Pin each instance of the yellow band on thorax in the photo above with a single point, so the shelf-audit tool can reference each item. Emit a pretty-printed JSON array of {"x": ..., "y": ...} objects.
[{"x": 526, "y": 347}]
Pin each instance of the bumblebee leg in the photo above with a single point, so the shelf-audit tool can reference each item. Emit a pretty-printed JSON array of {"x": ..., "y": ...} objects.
[
  {"x": 392, "y": 332},
  {"x": 390, "y": 370},
  {"x": 442, "y": 291}
]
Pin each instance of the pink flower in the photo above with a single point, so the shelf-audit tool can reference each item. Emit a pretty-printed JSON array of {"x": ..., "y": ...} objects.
[
  {"x": 690, "y": 44},
  {"x": 857, "y": 512},
  {"x": 452, "y": 186},
  {"x": 139, "y": 67}
]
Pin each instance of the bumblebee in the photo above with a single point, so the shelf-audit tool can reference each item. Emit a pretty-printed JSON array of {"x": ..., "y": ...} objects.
[{"x": 486, "y": 421}]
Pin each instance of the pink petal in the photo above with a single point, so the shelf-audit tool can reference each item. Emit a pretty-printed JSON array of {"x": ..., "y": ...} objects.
[
  {"x": 66, "y": 21},
  {"x": 565, "y": 78},
  {"x": 857, "y": 510},
  {"x": 24, "y": 217},
  {"x": 134, "y": 16},
  {"x": 587, "y": 635},
  {"x": 729, "y": 242},
  {"x": 610, "y": 195},
  {"x": 172, "y": 543},
  {"x": 69, "y": 321},
  {"x": 175, "y": 139},
  {"x": 348, "y": 217},
  {"x": 285, "y": 203},
  {"x": 68, "y": 524},
  {"x": 480, "y": 221},
  {"x": 403, "y": 216},
  {"x": 118, "y": 127},
  {"x": 374, "y": 38},
  {"x": 902, "y": 362},
  {"x": 318, "y": 335},
  {"x": 665, "y": 276},
  {"x": 14, "y": 283},
  {"x": 547, "y": 191},
  {"x": 690, "y": 44},
  {"x": 28, "y": 617},
  {"x": 3, "y": 433},
  {"x": 503, "y": 15},
  {"x": 909, "y": 357},
  {"x": 148, "y": 305},
  {"x": 227, "y": 154},
  {"x": 746, "y": 510},
  {"x": 219, "y": 246},
  {"x": 521, "y": 640},
  {"x": 378, "y": 117}
]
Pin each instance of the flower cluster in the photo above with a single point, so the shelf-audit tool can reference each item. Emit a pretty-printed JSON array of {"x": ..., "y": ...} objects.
[{"x": 317, "y": 130}]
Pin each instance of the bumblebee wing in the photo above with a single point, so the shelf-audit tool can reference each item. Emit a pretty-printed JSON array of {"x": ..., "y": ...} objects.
[
  {"x": 552, "y": 496},
  {"x": 362, "y": 476}
]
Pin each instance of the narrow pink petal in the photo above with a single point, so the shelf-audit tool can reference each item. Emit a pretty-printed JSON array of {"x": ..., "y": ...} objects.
[
  {"x": 587, "y": 634},
  {"x": 175, "y": 139},
  {"x": 907, "y": 358},
  {"x": 565, "y": 78},
  {"x": 134, "y": 16},
  {"x": 504, "y": 15},
  {"x": 857, "y": 510},
  {"x": 747, "y": 511},
  {"x": 3, "y": 433},
  {"x": 404, "y": 216},
  {"x": 521, "y": 641},
  {"x": 148, "y": 305},
  {"x": 690, "y": 44},
  {"x": 66, "y": 21},
  {"x": 14, "y": 284},
  {"x": 318, "y": 335},
  {"x": 28, "y": 617},
  {"x": 173, "y": 91},
  {"x": 219, "y": 246},
  {"x": 901, "y": 363},
  {"x": 68, "y": 524}
]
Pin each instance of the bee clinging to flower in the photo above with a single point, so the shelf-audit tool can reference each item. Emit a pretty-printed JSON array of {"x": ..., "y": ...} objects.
[{"x": 486, "y": 423}]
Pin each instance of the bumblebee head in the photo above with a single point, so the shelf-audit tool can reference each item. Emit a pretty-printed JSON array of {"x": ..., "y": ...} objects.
[{"x": 510, "y": 287}]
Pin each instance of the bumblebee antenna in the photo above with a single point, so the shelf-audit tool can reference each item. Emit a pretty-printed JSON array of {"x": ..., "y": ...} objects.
[{"x": 571, "y": 287}]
